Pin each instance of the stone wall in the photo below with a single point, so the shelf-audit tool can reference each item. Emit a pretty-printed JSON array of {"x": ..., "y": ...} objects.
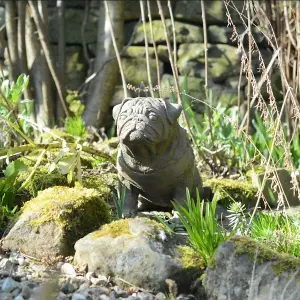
[{"x": 223, "y": 55}]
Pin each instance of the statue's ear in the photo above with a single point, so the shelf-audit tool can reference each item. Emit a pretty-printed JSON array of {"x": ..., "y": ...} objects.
[
  {"x": 116, "y": 111},
  {"x": 173, "y": 110},
  {"x": 117, "y": 108}
]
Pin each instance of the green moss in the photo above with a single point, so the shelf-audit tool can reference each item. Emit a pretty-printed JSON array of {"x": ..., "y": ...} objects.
[
  {"x": 77, "y": 211},
  {"x": 190, "y": 258},
  {"x": 97, "y": 181},
  {"x": 56, "y": 134},
  {"x": 41, "y": 180},
  {"x": 114, "y": 229},
  {"x": 229, "y": 190},
  {"x": 282, "y": 262}
]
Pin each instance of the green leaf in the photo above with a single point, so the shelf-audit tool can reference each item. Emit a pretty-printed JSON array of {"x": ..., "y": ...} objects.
[{"x": 14, "y": 167}]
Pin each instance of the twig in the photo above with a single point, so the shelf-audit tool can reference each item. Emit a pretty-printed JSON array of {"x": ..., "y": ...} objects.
[
  {"x": 84, "y": 22},
  {"x": 249, "y": 66},
  {"x": 155, "y": 49},
  {"x": 30, "y": 147},
  {"x": 146, "y": 46},
  {"x": 116, "y": 48},
  {"x": 47, "y": 51},
  {"x": 174, "y": 37}
]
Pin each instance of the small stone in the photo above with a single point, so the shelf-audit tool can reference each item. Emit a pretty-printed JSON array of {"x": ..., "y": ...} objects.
[
  {"x": 78, "y": 296},
  {"x": 104, "y": 297},
  {"x": 160, "y": 296},
  {"x": 145, "y": 296},
  {"x": 120, "y": 293},
  {"x": 59, "y": 265},
  {"x": 84, "y": 287},
  {"x": 4, "y": 273},
  {"x": 26, "y": 291},
  {"x": 6, "y": 296},
  {"x": 89, "y": 275},
  {"x": 113, "y": 295},
  {"x": 67, "y": 288},
  {"x": 102, "y": 280},
  {"x": 6, "y": 264},
  {"x": 9, "y": 285},
  {"x": 16, "y": 292},
  {"x": 62, "y": 296},
  {"x": 68, "y": 270},
  {"x": 21, "y": 261},
  {"x": 186, "y": 297},
  {"x": 19, "y": 297},
  {"x": 95, "y": 281}
]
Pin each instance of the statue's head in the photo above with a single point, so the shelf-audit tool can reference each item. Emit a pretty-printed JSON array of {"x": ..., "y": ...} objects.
[{"x": 145, "y": 120}]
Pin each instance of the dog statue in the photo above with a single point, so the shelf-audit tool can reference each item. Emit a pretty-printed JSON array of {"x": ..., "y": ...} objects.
[{"x": 155, "y": 159}]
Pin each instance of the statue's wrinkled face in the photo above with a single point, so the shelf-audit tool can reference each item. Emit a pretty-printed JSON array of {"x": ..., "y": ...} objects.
[{"x": 145, "y": 120}]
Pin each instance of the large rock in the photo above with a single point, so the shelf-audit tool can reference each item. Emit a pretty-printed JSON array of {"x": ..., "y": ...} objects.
[
  {"x": 272, "y": 196},
  {"x": 222, "y": 35},
  {"x": 190, "y": 11},
  {"x": 51, "y": 223},
  {"x": 223, "y": 61},
  {"x": 195, "y": 96},
  {"x": 228, "y": 190},
  {"x": 140, "y": 252},
  {"x": 244, "y": 269},
  {"x": 73, "y": 26},
  {"x": 185, "y": 33},
  {"x": 135, "y": 70}
]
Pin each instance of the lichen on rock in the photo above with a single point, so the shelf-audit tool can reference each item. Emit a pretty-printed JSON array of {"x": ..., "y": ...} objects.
[
  {"x": 51, "y": 223},
  {"x": 228, "y": 190}
]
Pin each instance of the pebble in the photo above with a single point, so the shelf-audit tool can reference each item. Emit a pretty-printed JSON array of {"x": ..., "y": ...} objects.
[
  {"x": 78, "y": 296},
  {"x": 25, "y": 280},
  {"x": 26, "y": 291},
  {"x": 9, "y": 285},
  {"x": 68, "y": 270}
]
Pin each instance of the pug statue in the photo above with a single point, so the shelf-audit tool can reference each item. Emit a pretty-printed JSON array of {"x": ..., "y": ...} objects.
[{"x": 155, "y": 159}]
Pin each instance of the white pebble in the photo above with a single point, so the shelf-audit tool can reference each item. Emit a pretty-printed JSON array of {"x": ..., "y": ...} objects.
[{"x": 68, "y": 270}]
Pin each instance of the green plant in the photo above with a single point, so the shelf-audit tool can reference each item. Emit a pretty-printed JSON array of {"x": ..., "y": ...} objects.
[
  {"x": 119, "y": 200},
  {"x": 237, "y": 217},
  {"x": 76, "y": 127},
  {"x": 200, "y": 221},
  {"x": 8, "y": 192},
  {"x": 280, "y": 232}
]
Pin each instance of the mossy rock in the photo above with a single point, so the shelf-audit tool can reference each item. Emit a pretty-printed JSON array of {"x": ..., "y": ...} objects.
[
  {"x": 135, "y": 70},
  {"x": 185, "y": 33},
  {"x": 227, "y": 191},
  {"x": 51, "y": 223},
  {"x": 149, "y": 255},
  {"x": 223, "y": 61},
  {"x": 253, "y": 270}
]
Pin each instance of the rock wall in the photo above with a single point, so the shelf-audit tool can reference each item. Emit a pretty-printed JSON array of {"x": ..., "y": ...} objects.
[{"x": 224, "y": 57}]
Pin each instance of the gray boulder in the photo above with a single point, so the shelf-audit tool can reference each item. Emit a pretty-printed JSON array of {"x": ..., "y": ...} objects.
[
  {"x": 50, "y": 224},
  {"x": 223, "y": 61},
  {"x": 185, "y": 33},
  {"x": 244, "y": 269},
  {"x": 140, "y": 252}
]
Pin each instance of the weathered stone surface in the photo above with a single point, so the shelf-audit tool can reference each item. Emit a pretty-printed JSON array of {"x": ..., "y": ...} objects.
[
  {"x": 272, "y": 196},
  {"x": 119, "y": 96},
  {"x": 228, "y": 190},
  {"x": 50, "y": 224},
  {"x": 223, "y": 61},
  {"x": 185, "y": 33},
  {"x": 138, "y": 52},
  {"x": 135, "y": 70},
  {"x": 190, "y": 11},
  {"x": 152, "y": 173},
  {"x": 222, "y": 35},
  {"x": 73, "y": 21},
  {"x": 244, "y": 269},
  {"x": 133, "y": 250},
  {"x": 132, "y": 10}
]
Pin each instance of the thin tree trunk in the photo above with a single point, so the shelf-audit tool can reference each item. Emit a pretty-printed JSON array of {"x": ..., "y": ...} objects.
[
  {"x": 11, "y": 29},
  {"x": 41, "y": 24},
  {"x": 102, "y": 88},
  {"x": 61, "y": 57},
  {"x": 22, "y": 45},
  {"x": 40, "y": 76}
]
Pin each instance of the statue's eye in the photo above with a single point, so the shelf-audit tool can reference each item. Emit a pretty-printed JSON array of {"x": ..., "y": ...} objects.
[
  {"x": 153, "y": 117},
  {"x": 123, "y": 116}
]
